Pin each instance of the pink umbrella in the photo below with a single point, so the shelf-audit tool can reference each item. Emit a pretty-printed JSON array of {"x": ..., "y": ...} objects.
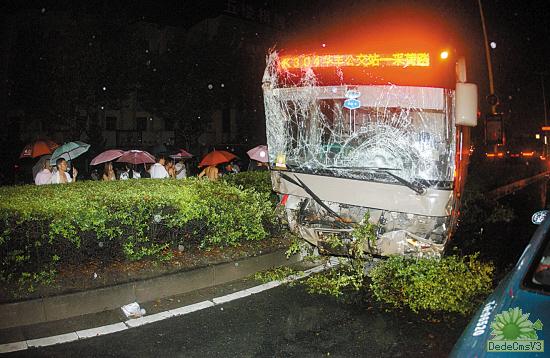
[
  {"x": 258, "y": 153},
  {"x": 107, "y": 156},
  {"x": 136, "y": 157},
  {"x": 181, "y": 154}
]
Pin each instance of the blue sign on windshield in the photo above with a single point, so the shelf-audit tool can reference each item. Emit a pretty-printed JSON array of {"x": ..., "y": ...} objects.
[{"x": 352, "y": 103}]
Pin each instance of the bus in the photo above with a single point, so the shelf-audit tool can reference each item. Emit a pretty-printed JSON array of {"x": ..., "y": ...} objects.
[{"x": 378, "y": 130}]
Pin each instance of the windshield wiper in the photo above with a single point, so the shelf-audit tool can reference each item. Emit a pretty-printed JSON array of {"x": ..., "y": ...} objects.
[
  {"x": 417, "y": 187},
  {"x": 296, "y": 181}
]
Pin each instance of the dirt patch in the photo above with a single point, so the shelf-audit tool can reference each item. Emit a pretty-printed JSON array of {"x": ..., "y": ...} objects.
[{"x": 96, "y": 273}]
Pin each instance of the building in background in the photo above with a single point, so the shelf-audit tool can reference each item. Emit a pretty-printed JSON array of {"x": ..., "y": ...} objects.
[{"x": 193, "y": 86}]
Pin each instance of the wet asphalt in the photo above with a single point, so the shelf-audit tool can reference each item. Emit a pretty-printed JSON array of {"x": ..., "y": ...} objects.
[
  {"x": 282, "y": 322},
  {"x": 289, "y": 322}
]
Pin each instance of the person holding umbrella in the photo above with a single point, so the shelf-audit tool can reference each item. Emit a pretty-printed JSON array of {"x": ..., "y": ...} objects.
[
  {"x": 211, "y": 172},
  {"x": 129, "y": 173},
  {"x": 158, "y": 171},
  {"x": 181, "y": 170},
  {"x": 109, "y": 172},
  {"x": 136, "y": 157},
  {"x": 211, "y": 160},
  {"x": 44, "y": 176},
  {"x": 259, "y": 155},
  {"x": 61, "y": 176}
]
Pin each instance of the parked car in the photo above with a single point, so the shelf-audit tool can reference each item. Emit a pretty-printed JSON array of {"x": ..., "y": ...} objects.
[{"x": 516, "y": 316}]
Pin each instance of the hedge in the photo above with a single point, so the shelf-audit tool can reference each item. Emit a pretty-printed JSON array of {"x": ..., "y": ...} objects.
[
  {"x": 258, "y": 180},
  {"x": 42, "y": 227},
  {"x": 450, "y": 284}
]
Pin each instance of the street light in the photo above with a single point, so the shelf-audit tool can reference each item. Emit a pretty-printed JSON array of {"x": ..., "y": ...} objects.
[
  {"x": 545, "y": 151},
  {"x": 492, "y": 98}
]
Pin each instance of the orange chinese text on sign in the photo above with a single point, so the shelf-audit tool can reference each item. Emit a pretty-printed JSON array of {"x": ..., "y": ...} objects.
[{"x": 400, "y": 59}]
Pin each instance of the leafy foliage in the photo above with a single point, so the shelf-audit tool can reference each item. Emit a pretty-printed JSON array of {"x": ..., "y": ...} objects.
[
  {"x": 276, "y": 274},
  {"x": 257, "y": 180},
  {"x": 42, "y": 227},
  {"x": 350, "y": 273},
  {"x": 451, "y": 284},
  {"x": 296, "y": 246}
]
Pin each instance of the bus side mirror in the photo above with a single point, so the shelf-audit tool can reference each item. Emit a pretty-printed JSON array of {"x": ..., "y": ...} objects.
[{"x": 466, "y": 104}]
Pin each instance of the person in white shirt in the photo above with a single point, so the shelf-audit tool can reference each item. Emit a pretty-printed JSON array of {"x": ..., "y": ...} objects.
[
  {"x": 44, "y": 176},
  {"x": 181, "y": 170},
  {"x": 61, "y": 176},
  {"x": 158, "y": 171},
  {"x": 125, "y": 175}
]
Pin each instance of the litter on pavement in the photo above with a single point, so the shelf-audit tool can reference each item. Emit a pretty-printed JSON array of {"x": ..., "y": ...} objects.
[{"x": 132, "y": 310}]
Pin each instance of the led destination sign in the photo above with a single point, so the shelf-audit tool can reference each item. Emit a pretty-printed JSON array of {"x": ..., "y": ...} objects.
[{"x": 399, "y": 59}]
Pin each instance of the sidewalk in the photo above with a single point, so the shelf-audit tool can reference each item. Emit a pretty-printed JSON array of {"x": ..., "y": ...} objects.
[{"x": 59, "y": 315}]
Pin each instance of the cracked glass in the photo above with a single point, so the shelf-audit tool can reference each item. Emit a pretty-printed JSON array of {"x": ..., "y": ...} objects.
[{"x": 380, "y": 133}]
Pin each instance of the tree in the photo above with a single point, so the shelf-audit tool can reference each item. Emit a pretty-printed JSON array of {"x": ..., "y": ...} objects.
[
  {"x": 198, "y": 74},
  {"x": 81, "y": 63}
]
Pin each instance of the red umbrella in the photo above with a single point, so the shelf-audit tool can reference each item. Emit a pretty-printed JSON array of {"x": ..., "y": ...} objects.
[
  {"x": 217, "y": 157},
  {"x": 38, "y": 148},
  {"x": 107, "y": 156},
  {"x": 136, "y": 157}
]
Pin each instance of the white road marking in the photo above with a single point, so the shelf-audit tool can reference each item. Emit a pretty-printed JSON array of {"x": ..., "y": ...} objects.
[
  {"x": 231, "y": 297},
  {"x": 137, "y": 322},
  {"x": 191, "y": 308},
  {"x": 102, "y": 330},
  {"x": 50, "y": 341},
  {"x": 13, "y": 347}
]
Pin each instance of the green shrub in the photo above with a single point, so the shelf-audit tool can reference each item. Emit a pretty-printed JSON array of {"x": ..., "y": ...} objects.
[
  {"x": 349, "y": 275},
  {"x": 260, "y": 181},
  {"x": 42, "y": 227},
  {"x": 451, "y": 284},
  {"x": 277, "y": 274}
]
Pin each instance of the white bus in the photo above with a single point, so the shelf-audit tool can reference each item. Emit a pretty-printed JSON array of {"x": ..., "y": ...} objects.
[{"x": 380, "y": 131}]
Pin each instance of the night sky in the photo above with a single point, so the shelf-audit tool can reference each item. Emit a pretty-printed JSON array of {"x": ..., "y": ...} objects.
[{"x": 520, "y": 29}]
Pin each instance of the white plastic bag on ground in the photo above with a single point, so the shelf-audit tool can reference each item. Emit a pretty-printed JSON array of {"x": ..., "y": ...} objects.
[{"x": 132, "y": 310}]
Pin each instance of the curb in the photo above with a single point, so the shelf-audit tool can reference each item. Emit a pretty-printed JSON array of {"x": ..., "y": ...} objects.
[
  {"x": 103, "y": 299},
  {"x": 138, "y": 322}
]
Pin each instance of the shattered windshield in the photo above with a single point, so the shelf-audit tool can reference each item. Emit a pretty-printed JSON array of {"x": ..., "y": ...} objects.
[{"x": 378, "y": 133}]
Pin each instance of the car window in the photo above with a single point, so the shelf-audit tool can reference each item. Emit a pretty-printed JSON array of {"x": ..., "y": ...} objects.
[{"x": 540, "y": 276}]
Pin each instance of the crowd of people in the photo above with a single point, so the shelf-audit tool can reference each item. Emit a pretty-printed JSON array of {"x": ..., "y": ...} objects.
[{"x": 164, "y": 168}]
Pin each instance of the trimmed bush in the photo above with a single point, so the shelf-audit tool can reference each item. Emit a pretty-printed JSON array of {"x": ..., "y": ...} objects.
[
  {"x": 44, "y": 226},
  {"x": 451, "y": 284},
  {"x": 257, "y": 180}
]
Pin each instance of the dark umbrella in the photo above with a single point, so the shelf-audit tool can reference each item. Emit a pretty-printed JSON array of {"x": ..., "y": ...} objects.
[{"x": 159, "y": 148}]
